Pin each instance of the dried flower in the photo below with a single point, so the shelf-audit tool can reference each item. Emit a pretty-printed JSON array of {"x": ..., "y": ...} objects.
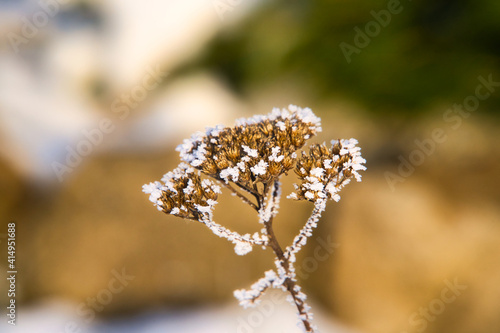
[
  {"x": 253, "y": 155},
  {"x": 257, "y": 150},
  {"x": 324, "y": 171},
  {"x": 183, "y": 193}
]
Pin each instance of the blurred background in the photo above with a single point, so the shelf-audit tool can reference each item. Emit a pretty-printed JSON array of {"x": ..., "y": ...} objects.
[{"x": 95, "y": 96}]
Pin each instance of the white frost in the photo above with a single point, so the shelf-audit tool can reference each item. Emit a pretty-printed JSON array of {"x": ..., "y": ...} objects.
[
  {"x": 250, "y": 152},
  {"x": 233, "y": 172},
  {"x": 260, "y": 168},
  {"x": 242, "y": 248},
  {"x": 154, "y": 190},
  {"x": 317, "y": 172}
]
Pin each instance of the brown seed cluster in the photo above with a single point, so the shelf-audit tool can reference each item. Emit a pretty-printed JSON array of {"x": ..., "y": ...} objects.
[
  {"x": 252, "y": 153},
  {"x": 186, "y": 195},
  {"x": 324, "y": 171}
]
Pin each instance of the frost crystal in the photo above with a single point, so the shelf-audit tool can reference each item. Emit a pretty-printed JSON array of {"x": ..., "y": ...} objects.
[
  {"x": 250, "y": 298},
  {"x": 242, "y": 248},
  {"x": 259, "y": 169},
  {"x": 250, "y": 152},
  {"x": 281, "y": 125},
  {"x": 154, "y": 190},
  {"x": 233, "y": 172},
  {"x": 317, "y": 172},
  {"x": 274, "y": 157}
]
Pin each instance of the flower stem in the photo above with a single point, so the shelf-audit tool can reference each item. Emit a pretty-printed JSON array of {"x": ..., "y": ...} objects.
[
  {"x": 241, "y": 196},
  {"x": 290, "y": 282}
]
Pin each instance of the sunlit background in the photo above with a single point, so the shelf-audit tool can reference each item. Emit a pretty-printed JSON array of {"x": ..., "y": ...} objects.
[{"x": 96, "y": 95}]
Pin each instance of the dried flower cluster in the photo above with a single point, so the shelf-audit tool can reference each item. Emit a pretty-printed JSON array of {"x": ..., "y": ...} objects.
[
  {"x": 183, "y": 193},
  {"x": 252, "y": 156},
  {"x": 257, "y": 150},
  {"x": 324, "y": 171}
]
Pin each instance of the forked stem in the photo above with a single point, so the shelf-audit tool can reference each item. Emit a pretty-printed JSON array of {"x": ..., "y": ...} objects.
[{"x": 289, "y": 282}]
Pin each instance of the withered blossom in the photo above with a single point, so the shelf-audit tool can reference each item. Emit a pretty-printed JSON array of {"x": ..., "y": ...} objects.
[
  {"x": 324, "y": 171},
  {"x": 257, "y": 150},
  {"x": 183, "y": 193},
  {"x": 253, "y": 155}
]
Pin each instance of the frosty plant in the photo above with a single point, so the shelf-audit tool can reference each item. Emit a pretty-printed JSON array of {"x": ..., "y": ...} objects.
[{"x": 249, "y": 159}]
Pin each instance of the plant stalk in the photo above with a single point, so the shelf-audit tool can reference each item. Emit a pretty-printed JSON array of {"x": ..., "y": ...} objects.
[{"x": 289, "y": 283}]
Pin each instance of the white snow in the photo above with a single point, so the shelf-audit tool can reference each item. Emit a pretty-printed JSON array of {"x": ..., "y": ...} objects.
[{"x": 274, "y": 315}]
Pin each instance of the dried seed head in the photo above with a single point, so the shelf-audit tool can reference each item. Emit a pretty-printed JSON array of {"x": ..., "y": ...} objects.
[
  {"x": 183, "y": 193},
  {"x": 253, "y": 154},
  {"x": 256, "y": 150},
  {"x": 324, "y": 171}
]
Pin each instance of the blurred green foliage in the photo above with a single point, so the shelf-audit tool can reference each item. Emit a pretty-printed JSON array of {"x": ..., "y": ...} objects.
[{"x": 430, "y": 52}]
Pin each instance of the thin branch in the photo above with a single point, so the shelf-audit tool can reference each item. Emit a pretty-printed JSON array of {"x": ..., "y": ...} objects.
[
  {"x": 289, "y": 282},
  {"x": 250, "y": 298},
  {"x": 306, "y": 231},
  {"x": 241, "y": 196},
  {"x": 276, "y": 196},
  {"x": 232, "y": 236}
]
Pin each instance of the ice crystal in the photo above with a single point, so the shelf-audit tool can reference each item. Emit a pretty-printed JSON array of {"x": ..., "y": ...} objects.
[
  {"x": 260, "y": 168},
  {"x": 242, "y": 248}
]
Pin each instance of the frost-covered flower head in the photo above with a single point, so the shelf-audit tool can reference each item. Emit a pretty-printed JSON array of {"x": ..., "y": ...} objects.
[
  {"x": 256, "y": 150},
  {"x": 324, "y": 171},
  {"x": 183, "y": 193}
]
